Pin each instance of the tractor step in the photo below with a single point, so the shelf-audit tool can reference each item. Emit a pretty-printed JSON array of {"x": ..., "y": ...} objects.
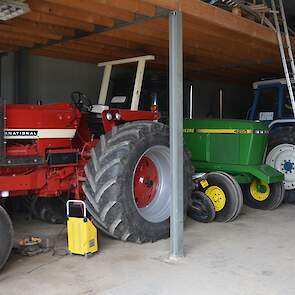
[{"x": 19, "y": 161}]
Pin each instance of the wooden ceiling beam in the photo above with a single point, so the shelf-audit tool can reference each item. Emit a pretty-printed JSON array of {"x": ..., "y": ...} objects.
[
  {"x": 61, "y": 55},
  {"x": 102, "y": 49},
  {"x": 110, "y": 41},
  {"x": 58, "y": 21},
  {"x": 194, "y": 34},
  {"x": 70, "y": 13},
  {"x": 30, "y": 32},
  {"x": 223, "y": 19},
  {"x": 23, "y": 37},
  {"x": 93, "y": 6},
  {"x": 31, "y": 25},
  {"x": 220, "y": 18},
  {"x": 168, "y": 4},
  {"x": 19, "y": 43},
  {"x": 189, "y": 23},
  {"x": 8, "y": 47},
  {"x": 136, "y": 37},
  {"x": 135, "y": 6},
  {"x": 75, "y": 52}
]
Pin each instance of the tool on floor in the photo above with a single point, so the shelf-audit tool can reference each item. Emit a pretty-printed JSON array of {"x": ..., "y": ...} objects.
[
  {"x": 82, "y": 234},
  {"x": 30, "y": 246}
]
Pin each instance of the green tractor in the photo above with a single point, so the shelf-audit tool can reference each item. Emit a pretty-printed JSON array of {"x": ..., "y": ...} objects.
[{"x": 236, "y": 149}]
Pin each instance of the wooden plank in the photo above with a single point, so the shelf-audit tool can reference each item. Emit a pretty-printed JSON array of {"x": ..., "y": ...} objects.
[
  {"x": 30, "y": 32},
  {"x": 8, "y": 47},
  {"x": 31, "y": 25},
  {"x": 71, "y": 13},
  {"x": 19, "y": 43},
  {"x": 168, "y": 4},
  {"x": 196, "y": 37},
  {"x": 110, "y": 41},
  {"x": 61, "y": 55},
  {"x": 23, "y": 37},
  {"x": 94, "y": 6},
  {"x": 102, "y": 49},
  {"x": 198, "y": 25},
  {"x": 58, "y": 21},
  {"x": 136, "y": 37},
  {"x": 135, "y": 6},
  {"x": 226, "y": 20},
  {"x": 220, "y": 18}
]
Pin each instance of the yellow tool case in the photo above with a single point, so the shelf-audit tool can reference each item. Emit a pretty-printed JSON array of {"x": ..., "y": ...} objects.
[{"x": 82, "y": 234}]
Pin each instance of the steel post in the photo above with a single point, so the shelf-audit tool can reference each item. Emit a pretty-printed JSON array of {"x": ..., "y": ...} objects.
[{"x": 176, "y": 136}]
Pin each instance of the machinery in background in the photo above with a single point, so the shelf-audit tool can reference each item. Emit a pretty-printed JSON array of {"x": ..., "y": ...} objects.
[
  {"x": 272, "y": 105},
  {"x": 201, "y": 207},
  {"x": 237, "y": 148},
  {"x": 115, "y": 154}
]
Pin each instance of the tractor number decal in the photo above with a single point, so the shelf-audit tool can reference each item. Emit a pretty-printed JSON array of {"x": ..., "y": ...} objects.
[
  {"x": 189, "y": 130},
  {"x": 224, "y": 131}
]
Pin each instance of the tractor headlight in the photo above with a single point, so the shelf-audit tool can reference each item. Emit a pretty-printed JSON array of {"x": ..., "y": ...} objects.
[
  {"x": 109, "y": 116},
  {"x": 260, "y": 131},
  {"x": 118, "y": 116}
]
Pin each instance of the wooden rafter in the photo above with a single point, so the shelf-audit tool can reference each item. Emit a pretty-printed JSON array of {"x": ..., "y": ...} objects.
[{"x": 216, "y": 42}]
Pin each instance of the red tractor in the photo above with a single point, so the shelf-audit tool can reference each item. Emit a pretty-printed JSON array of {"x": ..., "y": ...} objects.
[{"x": 111, "y": 153}]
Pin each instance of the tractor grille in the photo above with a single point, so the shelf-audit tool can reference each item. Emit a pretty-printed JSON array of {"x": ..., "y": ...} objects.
[{"x": 2, "y": 126}]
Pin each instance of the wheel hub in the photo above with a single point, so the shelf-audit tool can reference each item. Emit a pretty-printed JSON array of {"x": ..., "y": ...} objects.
[
  {"x": 145, "y": 182},
  {"x": 151, "y": 184},
  {"x": 217, "y": 196},
  {"x": 259, "y": 190},
  {"x": 282, "y": 158},
  {"x": 288, "y": 166}
]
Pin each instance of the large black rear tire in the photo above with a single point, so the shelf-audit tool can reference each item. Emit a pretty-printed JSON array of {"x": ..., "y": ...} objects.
[
  {"x": 127, "y": 183},
  {"x": 6, "y": 237},
  {"x": 281, "y": 156}
]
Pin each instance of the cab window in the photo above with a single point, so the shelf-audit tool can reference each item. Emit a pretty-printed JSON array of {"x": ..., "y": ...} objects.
[{"x": 266, "y": 109}]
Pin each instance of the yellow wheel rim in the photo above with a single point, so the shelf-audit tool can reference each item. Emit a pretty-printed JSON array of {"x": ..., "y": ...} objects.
[
  {"x": 259, "y": 190},
  {"x": 217, "y": 196}
]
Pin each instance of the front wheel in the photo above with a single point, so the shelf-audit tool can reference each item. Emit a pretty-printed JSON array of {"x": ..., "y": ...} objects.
[
  {"x": 260, "y": 195},
  {"x": 128, "y": 189},
  {"x": 226, "y": 195},
  {"x": 6, "y": 236}
]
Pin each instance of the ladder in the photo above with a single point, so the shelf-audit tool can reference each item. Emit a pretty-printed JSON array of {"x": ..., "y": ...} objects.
[{"x": 285, "y": 47}]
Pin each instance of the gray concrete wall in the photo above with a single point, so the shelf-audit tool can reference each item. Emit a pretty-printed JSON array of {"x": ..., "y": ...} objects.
[
  {"x": 53, "y": 80},
  {"x": 8, "y": 77}
]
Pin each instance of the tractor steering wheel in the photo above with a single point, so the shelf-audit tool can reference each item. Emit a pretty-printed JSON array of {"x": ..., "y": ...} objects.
[{"x": 81, "y": 101}]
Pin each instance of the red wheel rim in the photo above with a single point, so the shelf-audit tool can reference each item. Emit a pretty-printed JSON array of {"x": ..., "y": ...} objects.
[{"x": 146, "y": 182}]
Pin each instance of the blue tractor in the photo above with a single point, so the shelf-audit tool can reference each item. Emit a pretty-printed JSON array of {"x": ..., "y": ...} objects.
[{"x": 272, "y": 104}]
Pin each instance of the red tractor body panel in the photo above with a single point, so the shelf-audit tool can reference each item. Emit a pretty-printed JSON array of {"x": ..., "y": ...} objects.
[{"x": 58, "y": 138}]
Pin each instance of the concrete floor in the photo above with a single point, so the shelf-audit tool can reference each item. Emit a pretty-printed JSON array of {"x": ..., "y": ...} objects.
[{"x": 253, "y": 255}]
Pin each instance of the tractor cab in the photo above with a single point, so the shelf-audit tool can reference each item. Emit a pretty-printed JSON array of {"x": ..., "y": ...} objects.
[
  {"x": 126, "y": 99},
  {"x": 116, "y": 107},
  {"x": 271, "y": 101}
]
